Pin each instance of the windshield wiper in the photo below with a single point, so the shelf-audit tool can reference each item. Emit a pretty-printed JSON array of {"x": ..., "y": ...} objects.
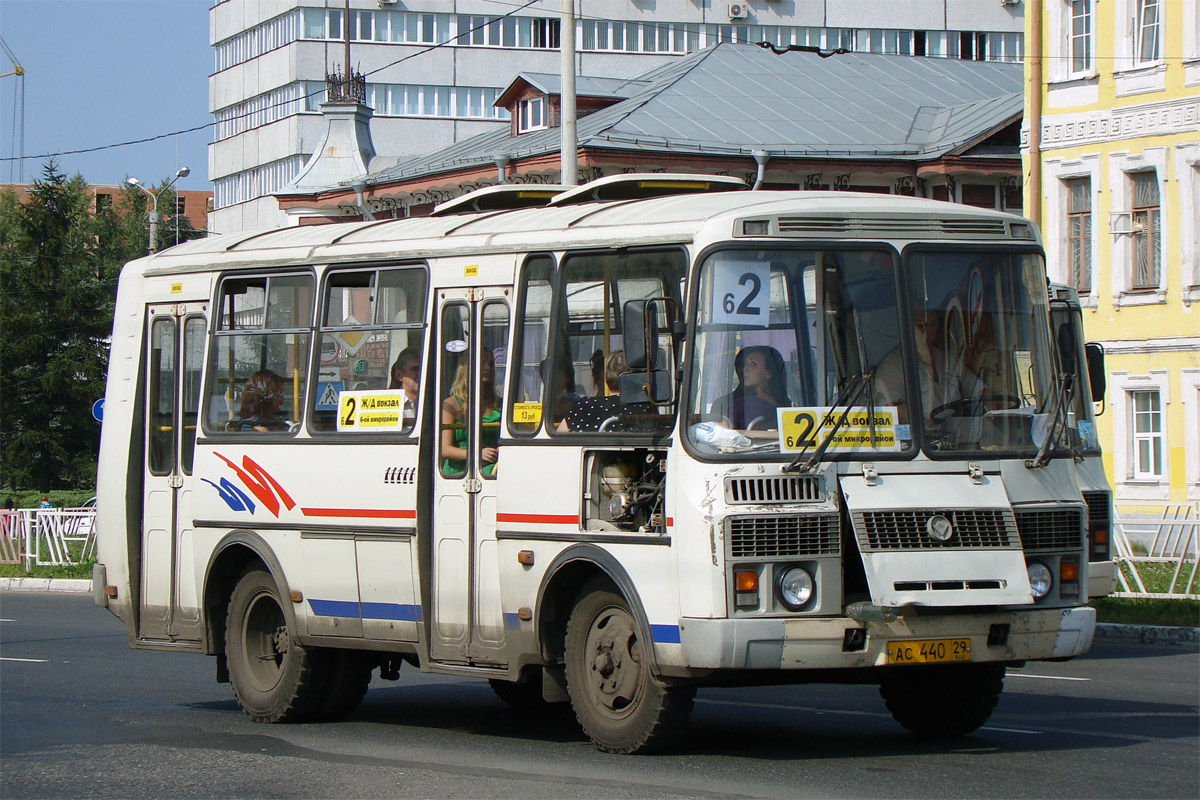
[
  {"x": 1062, "y": 391},
  {"x": 860, "y": 382}
]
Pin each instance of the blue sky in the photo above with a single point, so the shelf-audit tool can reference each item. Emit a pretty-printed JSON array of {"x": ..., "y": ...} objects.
[{"x": 99, "y": 72}]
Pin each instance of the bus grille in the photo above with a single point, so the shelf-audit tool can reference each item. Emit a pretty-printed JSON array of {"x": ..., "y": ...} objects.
[
  {"x": 1053, "y": 529},
  {"x": 775, "y": 489},
  {"x": 1097, "y": 506},
  {"x": 905, "y": 530},
  {"x": 895, "y": 226},
  {"x": 768, "y": 536}
]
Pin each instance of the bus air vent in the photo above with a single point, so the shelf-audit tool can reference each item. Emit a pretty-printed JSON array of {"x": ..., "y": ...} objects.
[
  {"x": 1051, "y": 529},
  {"x": 914, "y": 227},
  {"x": 1097, "y": 506},
  {"x": 768, "y": 536},
  {"x": 774, "y": 489},
  {"x": 906, "y": 530}
]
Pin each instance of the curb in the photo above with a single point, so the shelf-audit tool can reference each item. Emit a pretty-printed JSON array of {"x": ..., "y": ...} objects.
[
  {"x": 1147, "y": 634},
  {"x": 56, "y": 585}
]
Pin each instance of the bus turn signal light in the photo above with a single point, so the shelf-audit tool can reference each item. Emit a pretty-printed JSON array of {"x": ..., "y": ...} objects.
[
  {"x": 746, "y": 581},
  {"x": 1068, "y": 570},
  {"x": 110, "y": 591}
]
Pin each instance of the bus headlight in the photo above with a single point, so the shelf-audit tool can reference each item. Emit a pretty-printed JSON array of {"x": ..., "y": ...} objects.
[
  {"x": 794, "y": 588},
  {"x": 1040, "y": 579}
]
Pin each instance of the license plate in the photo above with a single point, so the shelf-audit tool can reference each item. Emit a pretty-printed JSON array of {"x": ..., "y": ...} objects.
[{"x": 928, "y": 651}]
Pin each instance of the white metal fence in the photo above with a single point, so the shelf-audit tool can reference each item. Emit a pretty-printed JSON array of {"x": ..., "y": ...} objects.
[
  {"x": 1157, "y": 555},
  {"x": 47, "y": 536}
]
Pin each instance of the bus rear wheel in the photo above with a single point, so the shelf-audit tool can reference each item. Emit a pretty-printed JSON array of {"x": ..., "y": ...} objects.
[
  {"x": 619, "y": 703},
  {"x": 274, "y": 678},
  {"x": 943, "y": 701}
]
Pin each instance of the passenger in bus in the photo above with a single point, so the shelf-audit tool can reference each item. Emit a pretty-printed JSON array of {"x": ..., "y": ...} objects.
[
  {"x": 455, "y": 422},
  {"x": 262, "y": 397},
  {"x": 569, "y": 396},
  {"x": 943, "y": 377},
  {"x": 406, "y": 375},
  {"x": 592, "y": 413},
  {"x": 761, "y": 390}
]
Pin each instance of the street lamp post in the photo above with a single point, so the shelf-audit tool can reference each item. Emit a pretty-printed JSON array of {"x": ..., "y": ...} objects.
[{"x": 154, "y": 215}]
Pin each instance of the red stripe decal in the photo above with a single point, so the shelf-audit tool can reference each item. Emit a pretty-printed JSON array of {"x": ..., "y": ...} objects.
[
  {"x": 374, "y": 513},
  {"x": 540, "y": 519}
]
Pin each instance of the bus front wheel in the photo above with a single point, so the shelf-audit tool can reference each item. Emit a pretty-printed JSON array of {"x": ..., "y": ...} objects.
[
  {"x": 274, "y": 678},
  {"x": 619, "y": 703},
  {"x": 943, "y": 701}
]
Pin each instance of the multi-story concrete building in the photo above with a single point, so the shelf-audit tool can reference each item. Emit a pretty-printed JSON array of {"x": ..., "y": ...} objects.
[
  {"x": 1118, "y": 163},
  {"x": 434, "y": 68}
]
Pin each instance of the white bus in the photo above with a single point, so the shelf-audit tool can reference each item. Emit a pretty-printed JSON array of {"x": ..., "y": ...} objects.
[
  {"x": 659, "y": 438},
  {"x": 1084, "y": 361}
]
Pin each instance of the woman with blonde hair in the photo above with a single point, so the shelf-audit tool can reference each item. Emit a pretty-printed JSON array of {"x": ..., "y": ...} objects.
[{"x": 455, "y": 422}]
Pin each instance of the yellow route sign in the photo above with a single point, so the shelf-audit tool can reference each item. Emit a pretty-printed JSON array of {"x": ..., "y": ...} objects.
[
  {"x": 372, "y": 411},
  {"x": 805, "y": 429}
]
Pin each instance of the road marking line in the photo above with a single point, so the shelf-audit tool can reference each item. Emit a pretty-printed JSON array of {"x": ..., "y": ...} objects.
[
  {"x": 1012, "y": 730},
  {"x": 26, "y": 660},
  {"x": 1046, "y": 677},
  {"x": 7, "y": 620}
]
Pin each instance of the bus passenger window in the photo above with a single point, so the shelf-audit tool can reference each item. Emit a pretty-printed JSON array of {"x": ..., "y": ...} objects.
[
  {"x": 530, "y": 364},
  {"x": 588, "y": 359},
  {"x": 260, "y": 354},
  {"x": 370, "y": 339}
]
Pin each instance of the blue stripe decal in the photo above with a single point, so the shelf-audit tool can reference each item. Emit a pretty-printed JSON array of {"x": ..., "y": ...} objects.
[
  {"x": 512, "y": 622},
  {"x": 391, "y": 611},
  {"x": 334, "y": 608},
  {"x": 665, "y": 634},
  {"x": 351, "y": 610}
]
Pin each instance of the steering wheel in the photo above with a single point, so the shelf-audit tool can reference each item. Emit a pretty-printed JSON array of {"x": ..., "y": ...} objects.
[
  {"x": 750, "y": 425},
  {"x": 973, "y": 406}
]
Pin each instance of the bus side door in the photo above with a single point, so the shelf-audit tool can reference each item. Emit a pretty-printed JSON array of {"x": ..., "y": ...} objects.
[
  {"x": 169, "y": 605},
  {"x": 471, "y": 355}
]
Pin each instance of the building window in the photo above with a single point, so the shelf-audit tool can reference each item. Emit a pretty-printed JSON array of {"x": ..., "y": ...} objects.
[
  {"x": 1081, "y": 36},
  {"x": 1148, "y": 31},
  {"x": 1147, "y": 234},
  {"x": 1079, "y": 234},
  {"x": 532, "y": 115},
  {"x": 1147, "y": 435}
]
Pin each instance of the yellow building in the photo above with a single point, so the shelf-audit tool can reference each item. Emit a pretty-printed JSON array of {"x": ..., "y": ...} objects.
[{"x": 1113, "y": 86}]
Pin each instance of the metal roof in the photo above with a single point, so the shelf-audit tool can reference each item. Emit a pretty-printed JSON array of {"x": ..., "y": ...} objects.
[{"x": 733, "y": 99}]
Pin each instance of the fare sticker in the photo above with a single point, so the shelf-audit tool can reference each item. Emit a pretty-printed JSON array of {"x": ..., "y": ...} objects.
[
  {"x": 805, "y": 428},
  {"x": 527, "y": 413},
  {"x": 372, "y": 411}
]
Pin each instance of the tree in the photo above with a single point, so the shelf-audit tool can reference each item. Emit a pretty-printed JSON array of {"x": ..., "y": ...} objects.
[{"x": 58, "y": 274}]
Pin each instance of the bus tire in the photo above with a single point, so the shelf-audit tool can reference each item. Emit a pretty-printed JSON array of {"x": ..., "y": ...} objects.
[
  {"x": 274, "y": 679},
  {"x": 943, "y": 701},
  {"x": 619, "y": 703},
  {"x": 349, "y": 676}
]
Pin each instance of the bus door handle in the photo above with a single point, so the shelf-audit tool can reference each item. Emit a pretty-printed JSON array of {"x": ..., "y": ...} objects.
[{"x": 472, "y": 486}]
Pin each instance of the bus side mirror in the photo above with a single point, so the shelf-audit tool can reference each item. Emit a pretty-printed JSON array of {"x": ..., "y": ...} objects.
[
  {"x": 640, "y": 326},
  {"x": 1095, "y": 367}
]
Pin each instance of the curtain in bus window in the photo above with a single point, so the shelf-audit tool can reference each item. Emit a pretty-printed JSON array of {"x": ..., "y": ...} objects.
[
  {"x": 589, "y": 351},
  {"x": 370, "y": 340},
  {"x": 259, "y": 370}
]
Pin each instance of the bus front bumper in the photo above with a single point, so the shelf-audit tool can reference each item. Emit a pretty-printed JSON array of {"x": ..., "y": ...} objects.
[{"x": 1030, "y": 635}]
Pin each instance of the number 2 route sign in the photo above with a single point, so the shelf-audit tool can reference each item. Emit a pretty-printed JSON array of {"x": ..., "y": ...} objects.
[
  {"x": 372, "y": 411},
  {"x": 805, "y": 428}
]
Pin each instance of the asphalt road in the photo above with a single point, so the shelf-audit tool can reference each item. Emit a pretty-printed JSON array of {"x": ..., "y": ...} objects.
[{"x": 82, "y": 715}]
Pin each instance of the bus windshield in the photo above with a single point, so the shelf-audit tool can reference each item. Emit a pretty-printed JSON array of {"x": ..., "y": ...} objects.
[
  {"x": 789, "y": 329},
  {"x": 983, "y": 362}
]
